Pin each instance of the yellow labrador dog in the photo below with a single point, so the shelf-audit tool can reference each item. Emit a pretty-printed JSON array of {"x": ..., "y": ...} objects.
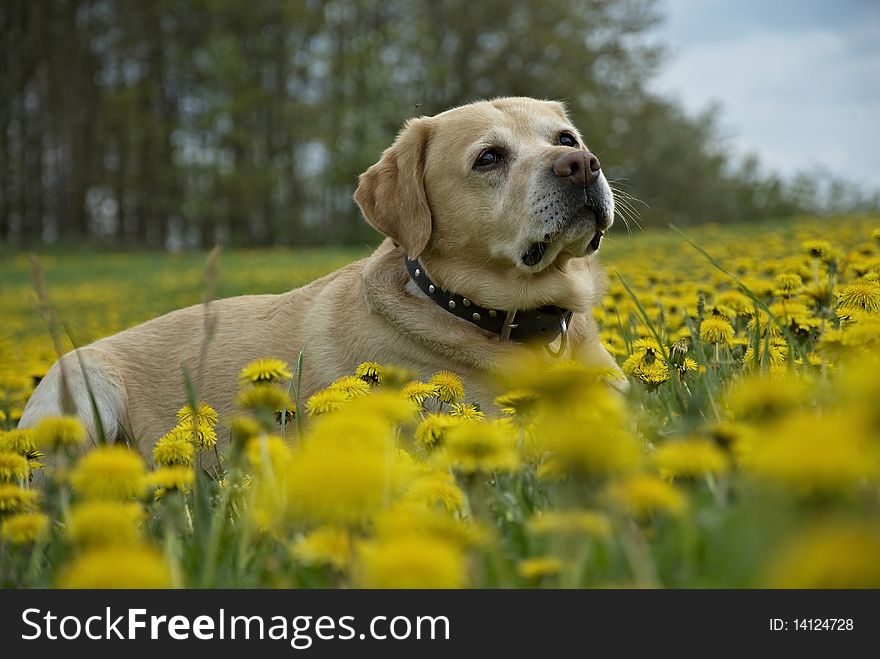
[{"x": 493, "y": 213}]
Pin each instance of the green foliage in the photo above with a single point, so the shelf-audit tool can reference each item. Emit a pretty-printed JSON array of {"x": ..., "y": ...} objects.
[{"x": 166, "y": 123}]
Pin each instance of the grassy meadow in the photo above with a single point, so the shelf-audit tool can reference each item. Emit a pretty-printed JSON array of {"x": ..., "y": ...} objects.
[{"x": 746, "y": 453}]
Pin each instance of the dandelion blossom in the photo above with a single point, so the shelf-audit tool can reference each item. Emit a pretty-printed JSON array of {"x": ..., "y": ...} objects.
[
  {"x": 690, "y": 457},
  {"x": 117, "y": 567},
  {"x": 830, "y": 554},
  {"x": 486, "y": 447},
  {"x": 788, "y": 283},
  {"x": 368, "y": 372},
  {"x": 436, "y": 489},
  {"x": 432, "y": 431},
  {"x": 109, "y": 472},
  {"x": 517, "y": 401},
  {"x": 19, "y": 441},
  {"x": 818, "y": 249},
  {"x": 104, "y": 523},
  {"x": 418, "y": 392},
  {"x": 467, "y": 412},
  {"x": 411, "y": 562},
  {"x": 14, "y": 498},
  {"x": 265, "y": 371},
  {"x": 642, "y": 496},
  {"x": 174, "y": 449},
  {"x": 450, "y": 387},
  {"x": 328, "y": 400},
  {"x": 367, "y": 475},
  {"x": 326, "y": 545},
  {"x": 265, "y": 399},
  {"x": 572, "y": 523},
  {"x": 24, "y": 528},
  {"x": 860, "y": 294},
  {"x": 178, "y": 478},
  {"x": 533, "y": 569},
  {"x": 206, "y": 415},
  {"x": 350, "y": 386},
  {"x": 717, "y": 330},
  {"x": 13, "y": 467},
  {"x": 59, "y": 432},
  {"x": 817, "y": 453}
]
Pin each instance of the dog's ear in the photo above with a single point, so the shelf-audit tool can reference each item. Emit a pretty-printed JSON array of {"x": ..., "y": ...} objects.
[{"x": 391, "y": 193}]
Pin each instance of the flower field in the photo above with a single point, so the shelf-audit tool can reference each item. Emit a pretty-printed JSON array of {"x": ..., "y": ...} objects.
[{"x": 746, "y": 452}]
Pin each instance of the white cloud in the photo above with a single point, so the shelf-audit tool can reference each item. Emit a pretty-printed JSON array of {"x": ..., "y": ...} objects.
[{"x": 798, "y": 98}]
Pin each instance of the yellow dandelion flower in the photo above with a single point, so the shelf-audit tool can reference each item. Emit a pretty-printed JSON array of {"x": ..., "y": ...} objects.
[
  {"x": 651, "y": 375},
  {"x": 860, "y": 294},
  {"x": 717, "y": 330},
  {"x": 368, "y": 372},
  {"x": 571, "y": 522},
  {"x": 735, "y": 300},
  {"x": 875, "y": 234},
  {"x": 830, "y": 554},
  {"x": 59, "y": 432},
  {"x": 788, "y": 283},
  {"x": 351, "y": 386},
  {"x": 817, "y": 452},
  {"x": 821, "y": 292},
  {"x": 588, "y": 439},
  {"x": 409, "y": 519},
  {"x": 690, "y": 457},
  {"x": 174, "y": 448},
  {"x": 206, "y": 415},
  {"x": 13, "y": 467},
  {"x": 436, "y": 489},
  {"x": 411, "y": 562},
  {"x": 267, "y": 452},
  {"x": 109, "y": 472},
  {"x": 325, "y": 401},
  {"x": 395, "y": 377},
  {"x": 467, "y": 412},
  {"x": 24, "y": 528},
  {"x": 533, "y": 569},
  {"x": 178, "y": 478},
  {"x": 117, "y": 567},
  {"x": 14, "y": 498},
  {"x": 450, "y": 387},
  {"x": 199, "y": 426},
  {"x": 104, "y": 523},
  {"x": 432, "y": 430},
  {"x": 243, "y": 427},
  {"x": 761, "y": 397},
  {"x": 262, "y": 399},
  {"x": 418, "y": 392},
  {"x": 517, "y": 401},
  {"x": 265, "y": 371},
  {"x": 19, "y": 441},
  {"x": 641, "y": 496},
  {"x": 367, "y": 475},
  {"x": 285, "y": 416},
  {"x": 773, "y": 354},
  {"x": 474, "y": 446},
  {"x": 818, "y": 249},
  {"x": 326, "y": 545}
]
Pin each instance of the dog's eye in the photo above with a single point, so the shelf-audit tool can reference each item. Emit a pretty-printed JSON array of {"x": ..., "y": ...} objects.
[
  {"x": 487, "y": 158},
  {"x": 567, "y": 139}
]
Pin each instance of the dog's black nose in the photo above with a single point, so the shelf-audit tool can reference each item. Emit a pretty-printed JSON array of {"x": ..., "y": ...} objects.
[{"x": 579, "y": 167}]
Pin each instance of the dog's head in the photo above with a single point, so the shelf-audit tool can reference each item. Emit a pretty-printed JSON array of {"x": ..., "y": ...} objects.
[{"x": 504, "y": 184}]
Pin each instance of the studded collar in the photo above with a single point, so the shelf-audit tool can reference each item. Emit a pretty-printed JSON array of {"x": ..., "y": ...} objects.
[{"x": 541, "y": 325}]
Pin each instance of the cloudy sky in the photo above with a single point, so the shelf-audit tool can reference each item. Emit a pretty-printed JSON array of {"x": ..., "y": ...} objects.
[{"x": 798, "y": 80}]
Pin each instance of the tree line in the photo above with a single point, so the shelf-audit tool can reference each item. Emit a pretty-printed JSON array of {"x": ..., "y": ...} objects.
[{"x": 187, "y": 123}]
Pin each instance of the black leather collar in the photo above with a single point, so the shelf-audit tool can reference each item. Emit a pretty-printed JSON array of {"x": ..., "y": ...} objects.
[{"x": 535, "y": 325}]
